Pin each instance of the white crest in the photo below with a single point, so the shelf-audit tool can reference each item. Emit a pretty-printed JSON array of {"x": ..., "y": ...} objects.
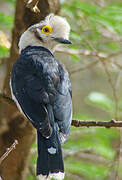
[{"x": 60, "y": 29}]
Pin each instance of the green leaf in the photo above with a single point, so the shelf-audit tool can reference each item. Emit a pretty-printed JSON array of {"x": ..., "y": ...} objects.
[
  {"x": 85, "y": 17},
  {"x": 100, "y": 100}
]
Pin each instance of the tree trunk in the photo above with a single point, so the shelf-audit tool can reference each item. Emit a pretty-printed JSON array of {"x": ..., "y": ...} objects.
[{"x": 12, "y": 123}]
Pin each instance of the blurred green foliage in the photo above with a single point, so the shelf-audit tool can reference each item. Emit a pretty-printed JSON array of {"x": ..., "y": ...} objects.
[
  {"x": 101, "y": 26},
  {"x": 6, "y": 21}
]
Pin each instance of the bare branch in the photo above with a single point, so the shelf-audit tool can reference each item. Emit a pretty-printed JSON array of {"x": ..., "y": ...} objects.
[
  {"x": 80, "y": 52},
  {"x": 12, "y": 147},
  {"x": 88, "y": 53},
  {"x": 118, "y": 79},
  {"x": 118, "y": 65},
  {"x": 107, "y": 124}
]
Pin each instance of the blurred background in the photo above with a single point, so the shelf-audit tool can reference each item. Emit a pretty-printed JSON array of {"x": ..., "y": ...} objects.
[{"x": 94, "y": 64}]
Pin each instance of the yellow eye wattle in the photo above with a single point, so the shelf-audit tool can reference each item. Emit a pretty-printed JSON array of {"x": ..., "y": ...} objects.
[{"x": 46, "y": 29}]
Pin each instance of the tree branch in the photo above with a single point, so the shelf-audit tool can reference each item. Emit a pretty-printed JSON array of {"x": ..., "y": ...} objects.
[
  {"x": 12, "y": 147},
  {"x": 107, "y": 124},
  {"x": 80, "y": 52}
]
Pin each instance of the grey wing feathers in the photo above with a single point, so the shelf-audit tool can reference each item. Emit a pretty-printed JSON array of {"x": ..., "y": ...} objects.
[{"x": 63, "y": 104}]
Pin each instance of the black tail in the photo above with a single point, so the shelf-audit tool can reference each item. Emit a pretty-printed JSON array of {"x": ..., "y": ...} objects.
[{"x": 49, "y": 151}]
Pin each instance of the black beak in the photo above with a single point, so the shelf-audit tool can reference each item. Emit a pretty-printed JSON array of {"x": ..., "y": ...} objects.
[{"x": 62, "y": 40}]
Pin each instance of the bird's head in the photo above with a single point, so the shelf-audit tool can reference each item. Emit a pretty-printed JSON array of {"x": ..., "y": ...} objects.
[{"x": 48, "y": 33}]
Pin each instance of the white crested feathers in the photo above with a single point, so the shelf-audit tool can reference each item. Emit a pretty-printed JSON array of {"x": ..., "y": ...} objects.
[
  {"x": 60, "y": 29},
  {"x": 59, "y": 25}
]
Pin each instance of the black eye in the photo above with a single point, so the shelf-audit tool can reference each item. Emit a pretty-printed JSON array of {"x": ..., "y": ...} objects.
[{"x": 46, "y": 30}]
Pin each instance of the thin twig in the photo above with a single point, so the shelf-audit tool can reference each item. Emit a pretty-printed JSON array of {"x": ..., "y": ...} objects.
[
  {"x": 118, "y": 79},
  {"x": 12, "y": 147},
  {"x": 118, "y": 65},
  {"x": 89, "y": 53},
  {"x": 80, "y": 52}
]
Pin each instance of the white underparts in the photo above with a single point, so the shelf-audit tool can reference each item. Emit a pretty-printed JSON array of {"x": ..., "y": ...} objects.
[
  {"x": 52, "y": 150},
  {"x": 56, "y": 176}
]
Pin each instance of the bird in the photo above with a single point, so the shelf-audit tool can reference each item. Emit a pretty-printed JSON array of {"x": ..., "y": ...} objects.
[{"x": 41, "y": 87}]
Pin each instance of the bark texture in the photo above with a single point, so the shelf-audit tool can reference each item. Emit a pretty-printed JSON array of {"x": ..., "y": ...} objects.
[{"x": 12, "y": 124}]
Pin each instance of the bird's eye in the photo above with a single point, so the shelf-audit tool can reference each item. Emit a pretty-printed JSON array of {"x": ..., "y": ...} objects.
[{"x": 46, "y": 29}]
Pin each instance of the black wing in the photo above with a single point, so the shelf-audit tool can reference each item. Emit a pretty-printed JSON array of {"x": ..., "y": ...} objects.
[{"x": 33, "y": 85}]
